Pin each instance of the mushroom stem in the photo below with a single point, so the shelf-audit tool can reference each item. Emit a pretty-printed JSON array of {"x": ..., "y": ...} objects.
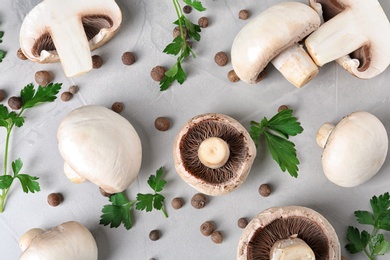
[
  {"x": 323, "y": 134},
  {"x": 290, "y": 249},
  {"x": 214, "y": 152},
  {"x": 296, "y": 65}
]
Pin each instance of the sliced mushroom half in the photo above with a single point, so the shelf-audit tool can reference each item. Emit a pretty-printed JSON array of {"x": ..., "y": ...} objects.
[
  {"x": 213, "y": 153},
  {"x": 67, "y": 31},
  {"x": 287, "y": 232}
]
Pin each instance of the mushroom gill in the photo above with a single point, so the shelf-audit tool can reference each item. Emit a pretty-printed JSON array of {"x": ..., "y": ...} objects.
[{"x": 210, "y": 128}]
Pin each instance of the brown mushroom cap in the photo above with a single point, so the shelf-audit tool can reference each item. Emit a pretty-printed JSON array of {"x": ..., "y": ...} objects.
[
  {"x": 279, "y": 223},
  {"x": 207, "y": 180}
]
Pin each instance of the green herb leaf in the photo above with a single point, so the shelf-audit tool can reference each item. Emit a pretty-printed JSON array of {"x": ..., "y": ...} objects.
[
  {"x": 7, "y": 120},
  {"x": 175, "y": 47},
  {"x": 158, "y": 201},
  {"x": 174, "y": 73},
  {"x": 166, "y": 82},
  {"x": 380, "y": 206},
  {"x": 378, "y": 245},
  {"x": 31, "y": 98},
  {"x": 145, "y": 201},
  {"x": 17, "y": 166},
  {"x": 195, "y": 4},
  {"x": 285, "y": 124},
  {"x": 156, "y": 182},
  {"x": 29, "y": 183},
  {"x": 364, "y": 217},
  {"x": 118, "y": 212},
  {"x": 2, "y": 55},
  {"x": 5, "y": 181},
  {"x": 357, "y": 241}
]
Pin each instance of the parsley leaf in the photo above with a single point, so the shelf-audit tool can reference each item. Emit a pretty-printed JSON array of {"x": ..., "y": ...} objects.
[
  {"x": 195, "y": 4},
  {"x": 276, "y": 132},
  {"x": 2, "y": 53},
  {"x": 358, "y": 241},
  {"x": 32, "y": 98}
]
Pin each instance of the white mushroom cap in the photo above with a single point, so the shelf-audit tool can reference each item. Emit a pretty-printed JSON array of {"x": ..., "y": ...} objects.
[
  {"x": 354, "y": 150},
  {"x": 70, "y": 240},
  {"x": 269, "y": 34},
  {"x": 67, "y": 31},
  {"x": 209, "y": 180},
  {"x": 100, "y": 146}
]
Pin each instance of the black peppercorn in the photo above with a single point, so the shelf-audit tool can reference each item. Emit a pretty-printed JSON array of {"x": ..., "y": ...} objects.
[
  {"x": 154, "y": 235},
  {"x": 117, "y": 107}
]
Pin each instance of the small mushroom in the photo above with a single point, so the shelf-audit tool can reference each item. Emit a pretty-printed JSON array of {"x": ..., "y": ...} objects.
[
  {"x": 101, "y": 146},
  {"x": 356, "y": 34},
  {"x": 354, "y": 150},
  {"x": 277, "y": 232},
  {"x": 274, "y": 36},
  {"x": 67, "y": 31},
  {"x": 70, "y": 240},
  {"x": 213, "y": 153}
]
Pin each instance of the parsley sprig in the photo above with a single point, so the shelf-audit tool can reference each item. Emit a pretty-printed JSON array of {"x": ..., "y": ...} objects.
[
  {"x": 119, "y": 210},
  {"x": 30, "y": 98},
  {"x": 2, "y": 53},
  {"x": 276, "y": 132},
  {"x": 179, "y": 46},
  {"x": 373, "y": 244}
]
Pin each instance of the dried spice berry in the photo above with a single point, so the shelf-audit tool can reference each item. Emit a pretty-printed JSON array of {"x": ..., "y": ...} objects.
[
  {"x": 199, "y": 200},
  {"x": 221, "y": 58},
  {"x": 43, "y": 78},
  {"x": 155, "y": 235},
  {"x": 207, "y": 228},
  {"x": 187, "y": 9},
  {"x": 2, "y": 95},
  {"x": 104, "y": 193},
  {"x": 203, "y": 22},
  {"x": 264, "y": 190},
  {"x": 232, "y": 76},
  {"x": 73, "y": 89},
  {"x": 15, "y": 103},
  {"x": 243, "y": 14},
  {"x": 283, "y": 107},
  {"x": 117, "y": 107},
  {"x": 54, "y": 199},
  {"x": 66, "y": 96},
  {"x": 217, "y": 237},
  {"x": 157, "y": 73},
  {"x": 177, "y": 203},
  {"x": 176, "y": 32},
  {"x": 97, "y": 61},
  {"x": 128, "y": 58},
  {"x": 242, "y": 222},
  {"x": 162, "y": 123},
  {"x": 21, "y": 55}
]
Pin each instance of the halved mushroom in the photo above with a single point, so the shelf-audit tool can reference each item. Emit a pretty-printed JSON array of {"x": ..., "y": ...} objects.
[
  {"x": 354, "y": 150},
  {"x": 67, "y": 31},
  {"x": 70, "y": 240},
  {"x": 356, "y": 34},
  {"x": 101, "y": 146},
  {"x": 278, "y": 232},
  {"x": 213, "y": 153},
  {"x": 273, "y": 36}
]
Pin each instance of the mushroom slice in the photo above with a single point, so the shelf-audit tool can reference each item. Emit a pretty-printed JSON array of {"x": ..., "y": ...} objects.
[
  {"x": 279, "y": 226},
  {"x": 70, "y": 240},
  {"x": 274, "y": 33},
  {"x": 101, "y": 146},
  {"x": 213, "y": 153},
  {"x": 356, "y": 34},
  {"x": 354, "y": 150},
  {"x": 67, "y": 31}
]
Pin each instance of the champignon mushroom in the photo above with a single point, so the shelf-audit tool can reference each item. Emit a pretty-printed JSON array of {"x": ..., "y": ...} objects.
[
  {"x": 354, "y": 150},
  {"x": 273, "y": 36},
  {"x": 70, "y": 240},
  {"x": 101, "y": 146},
  {"x": 277, "y": 232},
  {"x": 67, "y": 31},
  {"x": 213, "y": 153},
  {"x": 356, "y": 34}
]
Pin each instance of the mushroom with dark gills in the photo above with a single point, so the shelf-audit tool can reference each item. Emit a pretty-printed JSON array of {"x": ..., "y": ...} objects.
[
  {"x": 67, "y": 31},
  {"x": 289, "y": 233},
  {"x": 213, "y": 153}
]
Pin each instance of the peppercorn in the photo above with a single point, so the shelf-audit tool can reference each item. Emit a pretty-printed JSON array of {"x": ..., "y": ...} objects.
[
  {"x": 283, "y": 107},
  {"x": 217, "y": 237},
  {"x": 243, "y": 14},
  {"x": 264, "y": 190},
  {"x": 128, "y": 58},
  {"x": 199, "y": 200},
  {"x": 232, "y": 76},
  {"x": 117, "y": 107},
  {"x": 15, "y": 103},
  {"x": 187, "y": 9},
  {"x": 66, "y": 96},
  {"x": 155, "y": 235},
  {"x": 207, "y": 228},
  {"x": 221, "y": 58},
  {"x": 176, "y": 32},
  {"x": 162, "y": 123},
  {"x": 54, "y": 199},
  {"x": 21, "y": 55},
  {"x": 157, "y": 73},
  {"x": 104, "y": 193},
  {"x": 42, "y": 77},
  {"x": 242, "y": 222},
  {"x": 73, "y": 89},
  {"x": 177, "y": 203},
  {"x": 2, "y": 95},
  {"x": 203, "y": 22},
  {"x": 261, "y": 76},
  {"x": 97, "y": 61}
]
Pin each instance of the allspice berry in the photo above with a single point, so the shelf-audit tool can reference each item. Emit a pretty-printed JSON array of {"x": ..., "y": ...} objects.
[
  {"x": 2, "y": 95},
  {"x": 21, "y": 55},
  {"x": 243, "y": 14},
  {"x": 157, "y": 73},
  {"x": 128, "y": 58},
  {"x": 42, "y": 77},
  {"x": 217, "y": 237},
  {"x": 203, "y": 22},
  {"x": 207, "y": 228},
  {"x": 242, "y": 222},
  {"x": 232, "y": 76},
  {"x": 199, "y": 200},
  {"x": 221, "y": 58},
  {"x": 117, "y": 107},
  {"x": 177, "y": 203},
  {"x": 54, "y": 199},
  {"x": 162, "y": 123},
  {"x": 155, "y": 235},
  {"x": 264, "y": 190},
  {"x": 187, "y": 9},
  {"x": 176, "y": 32},
  {"x": 283, "y": 107},
  {"x": 97, "y": 61},
  {"x": 66, "y": 96},
  {"x": 15, "y": 103},
  {"x": 73, "y": 89}
]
